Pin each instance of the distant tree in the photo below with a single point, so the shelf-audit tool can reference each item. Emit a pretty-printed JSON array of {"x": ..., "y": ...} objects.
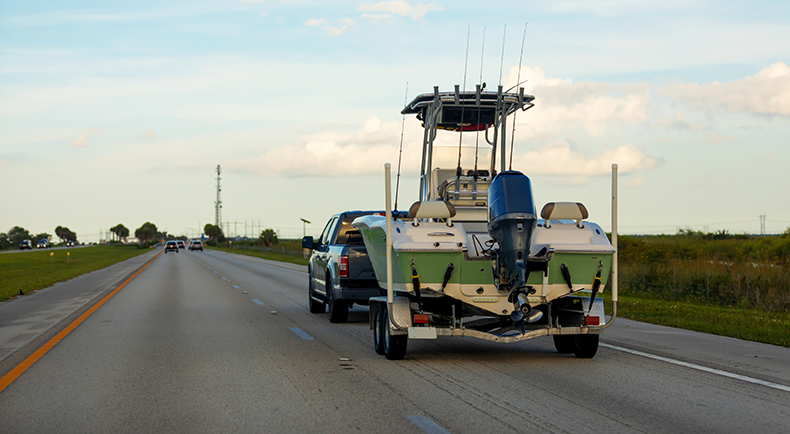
[
  {"x": 214, "y": 232},
  {"x": 120, "y": 231},
  {"x": 65, "y": 234},
  {"x": 5, "y": 243},
  {"x": 145, "y": 233},
  {"x": 41, "y": 236},
  {"x": 786, "y": 232},
  {"x": 268, "y": 237},
  {"x": 17, "y": 234}
]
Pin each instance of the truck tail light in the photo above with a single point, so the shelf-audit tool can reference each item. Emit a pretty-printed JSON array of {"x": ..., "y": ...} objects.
[
  {"x": 343, "y": 267},
  {"x": 592, "y": 320},
  {"x": 420, "y": 318}
]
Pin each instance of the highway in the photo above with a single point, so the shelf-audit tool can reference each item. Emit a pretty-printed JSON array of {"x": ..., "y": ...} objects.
[{"x": 215, "y": 342}]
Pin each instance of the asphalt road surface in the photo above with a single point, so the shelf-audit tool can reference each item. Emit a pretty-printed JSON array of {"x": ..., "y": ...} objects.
[{"x": 214, "y": 342}]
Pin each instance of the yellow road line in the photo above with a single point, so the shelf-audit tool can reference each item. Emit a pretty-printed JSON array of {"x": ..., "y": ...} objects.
[{"x": 33, "y": 358}]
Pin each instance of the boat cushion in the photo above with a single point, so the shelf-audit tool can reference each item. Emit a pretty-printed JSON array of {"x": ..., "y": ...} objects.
[
  {"x": 564, "y": 211},
  {"x": 434, "y": 209}
]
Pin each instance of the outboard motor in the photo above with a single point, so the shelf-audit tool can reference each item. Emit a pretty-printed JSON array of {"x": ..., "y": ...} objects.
[{"x": 511, "y": 222}]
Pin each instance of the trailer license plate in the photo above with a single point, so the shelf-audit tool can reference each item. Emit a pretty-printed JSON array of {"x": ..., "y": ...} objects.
[{"x": 422, "y": 333}]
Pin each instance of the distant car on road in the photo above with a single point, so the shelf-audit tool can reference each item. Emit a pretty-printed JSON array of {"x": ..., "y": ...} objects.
[
  {"x": 171, "y": 246},
  {"x": 43, "y": 244},
  {"x": 69, "y": 243},
  {"x": 181, "y": 244},
  {"x": 196, "y": 245},
  {"x": 26, "y": 244}
]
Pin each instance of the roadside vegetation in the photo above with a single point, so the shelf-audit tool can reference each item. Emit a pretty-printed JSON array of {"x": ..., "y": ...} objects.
[
  {"x": 23, "y": 273},
  {"x": 283, "y": 250},
  {"x": 730, "y": 285}
]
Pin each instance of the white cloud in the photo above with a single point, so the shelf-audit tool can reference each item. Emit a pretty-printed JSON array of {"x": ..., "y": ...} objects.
[
  {"x": 715, "y": 139},
  {"x": 82, "y": 141},
  {"x": 402, "y": 8},
  {"x": 559, "y": 159},
  {"x": 767, "y": 93},
  {"x": 334, "y": 153},
  {"x": 332, "y": 31},
  {"x": 148, "y": 134},
  {"x": 679, "y": 123},
  {"x": 316, "y": 22},
  {"x": 636, "y": 182},
  {"x": 562, "y": 105}
]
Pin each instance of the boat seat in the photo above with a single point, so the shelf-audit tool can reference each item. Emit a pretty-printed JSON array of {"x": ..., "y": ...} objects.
[
  {"x": 433, "y": 209},
  {"x": 564, "y": 211}
]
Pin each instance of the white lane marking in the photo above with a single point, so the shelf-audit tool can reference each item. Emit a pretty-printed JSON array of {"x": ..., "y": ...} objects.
[
  {"x": 216, "y": 272},
  {"x": 224, "y": 278},
  {"x": 237, "y": 286},
  {"x": 258, "y": 302},
  {"x": 426, "y": 424},
  {"x": 700, "y": 368},
  {"x": 300, "y": 333}
]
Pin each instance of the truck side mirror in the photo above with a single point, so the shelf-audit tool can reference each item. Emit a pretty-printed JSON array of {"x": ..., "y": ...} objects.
[{"x": 307, "y": 242}]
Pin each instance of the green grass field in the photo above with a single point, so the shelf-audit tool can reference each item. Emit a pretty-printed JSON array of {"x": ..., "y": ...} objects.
[
  {"x": 737, "y": 322},
  {"x": 23, "y": 273},
  {"x": 273, "y": 256}
]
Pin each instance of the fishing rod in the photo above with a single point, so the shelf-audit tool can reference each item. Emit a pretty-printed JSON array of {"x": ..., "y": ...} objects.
[
  {"x": 518, "y": 79},
  {"x": 400, "y": 147}
]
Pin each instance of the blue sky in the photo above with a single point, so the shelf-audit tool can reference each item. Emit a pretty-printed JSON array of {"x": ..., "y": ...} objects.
[{"x": 119, "y": 112}]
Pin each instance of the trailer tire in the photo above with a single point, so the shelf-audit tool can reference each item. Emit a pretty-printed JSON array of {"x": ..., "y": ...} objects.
[
  {"x": 315, "y": 306},
  {"x": 565, "y": 344},
  {"x": 338, "y": 309},
  {"x": 378, "y": 329},
  {"x": 587, "y": 346},
  {"x": 394, "y": 345}
]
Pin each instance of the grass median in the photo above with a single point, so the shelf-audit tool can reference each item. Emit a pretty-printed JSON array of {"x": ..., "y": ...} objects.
[
  {"x": 24, "y": 272},
  {"x": 272, "y": 256}
]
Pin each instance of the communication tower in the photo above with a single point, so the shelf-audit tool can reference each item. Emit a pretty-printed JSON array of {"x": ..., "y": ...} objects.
[{"x": 218, "y": 203}]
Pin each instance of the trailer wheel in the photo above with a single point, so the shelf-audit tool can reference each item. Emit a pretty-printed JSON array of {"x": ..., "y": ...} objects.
[
  {"x": 394, "y": 345},
  {"x": 378, "y": 337},
  {"x": 587, "y": 346},
  {"x": 565, "y": 344},
  {"x": 338, "y": 310},
  {"x": 315, "y": 306}
]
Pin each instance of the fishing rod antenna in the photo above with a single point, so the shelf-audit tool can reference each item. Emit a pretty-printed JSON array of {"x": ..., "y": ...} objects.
[
  {"x": 518, "y": 79},
  {"x": 400, "y": 147}
]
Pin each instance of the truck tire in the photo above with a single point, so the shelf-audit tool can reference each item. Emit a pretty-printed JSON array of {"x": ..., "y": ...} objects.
[
  {"x": 394, "y": 345},
  {"x": 587, "y": 346},
  {"x": 565, "y": 344},
  {"x": 338, "y": 309},
  {"x": 315, "y": 306},
  {"x": 378, "y": 337}
]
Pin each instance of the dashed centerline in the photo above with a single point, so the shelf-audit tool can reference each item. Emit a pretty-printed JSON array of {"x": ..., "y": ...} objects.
[
  {"x": 258, "y": 302},
  {"x": 301, "y": 333}
]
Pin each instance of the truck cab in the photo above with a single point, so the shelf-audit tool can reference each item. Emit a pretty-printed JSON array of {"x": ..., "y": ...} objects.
[{"x": 339, "y": 271}]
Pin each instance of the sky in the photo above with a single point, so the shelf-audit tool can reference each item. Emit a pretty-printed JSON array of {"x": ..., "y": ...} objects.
[{"x": 120, "y": 112}]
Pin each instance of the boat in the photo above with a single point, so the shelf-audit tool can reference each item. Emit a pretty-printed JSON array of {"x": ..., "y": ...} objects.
[{"x": 472, "y": 257}]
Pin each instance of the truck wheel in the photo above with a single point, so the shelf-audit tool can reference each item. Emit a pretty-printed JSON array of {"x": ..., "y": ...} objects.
[
  {"x": 338, "y": 309},
  {"x": 315, "y": 306},
  {"x": 394, "y": 345},
  {"x": 565, "y": 344},
  {"x": 587, "y": 346},
  {"x": 378, "y": 337}
]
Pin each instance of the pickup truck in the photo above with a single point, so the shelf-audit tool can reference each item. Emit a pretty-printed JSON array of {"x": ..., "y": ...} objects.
[{"x": 340, "y": 273}]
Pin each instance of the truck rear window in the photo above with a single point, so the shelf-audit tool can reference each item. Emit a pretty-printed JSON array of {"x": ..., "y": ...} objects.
[{"x": 349, "y": 234}]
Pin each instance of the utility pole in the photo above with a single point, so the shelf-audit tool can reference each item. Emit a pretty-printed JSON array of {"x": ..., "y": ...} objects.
[
  {"x": 762, "y": 224},
  {"x": 218, "y": 203}
]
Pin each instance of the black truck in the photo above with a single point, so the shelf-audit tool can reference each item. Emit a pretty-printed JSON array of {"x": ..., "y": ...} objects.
[{"x": 340, "y": 273}]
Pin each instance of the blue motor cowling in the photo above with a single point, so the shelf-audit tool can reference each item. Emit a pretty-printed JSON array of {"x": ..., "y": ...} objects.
[{"x": 511, "y": 222}]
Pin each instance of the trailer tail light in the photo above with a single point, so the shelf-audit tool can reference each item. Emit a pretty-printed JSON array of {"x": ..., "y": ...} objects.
[
  {"x": 343, "y": 267},
  {"x": 420, "y": 318},
  {"x": 592, "y": 320}
]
